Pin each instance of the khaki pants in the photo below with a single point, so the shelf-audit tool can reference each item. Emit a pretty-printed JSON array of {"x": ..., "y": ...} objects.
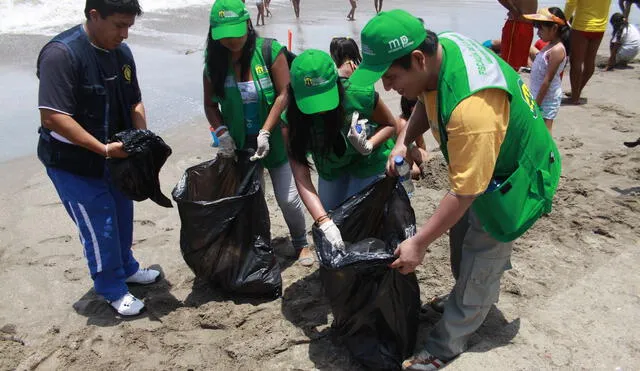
[{"x": 477, "y": 263}]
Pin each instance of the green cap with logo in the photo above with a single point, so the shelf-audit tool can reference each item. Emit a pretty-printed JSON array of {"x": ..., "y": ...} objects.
[
  {"x": 386, "y": 37},
  {"x": 314, "y": 80},
  {"x": 228, "y": 19}
]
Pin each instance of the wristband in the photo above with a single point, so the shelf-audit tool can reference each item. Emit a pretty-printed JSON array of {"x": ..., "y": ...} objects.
[
  {"x": 321, "y": 219},
  {"x": 220, "y": 128},
  {"x": 215, "y": 141},
  {"x": 106, "y": 151}
]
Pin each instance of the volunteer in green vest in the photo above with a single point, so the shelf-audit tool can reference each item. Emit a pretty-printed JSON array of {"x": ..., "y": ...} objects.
[
  {"x": 243, "y": 100},
  {"x": 321, "y": 119},
  {"x": 504, "y": 167}
]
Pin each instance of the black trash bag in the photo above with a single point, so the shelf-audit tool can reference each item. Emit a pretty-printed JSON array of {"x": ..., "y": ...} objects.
[
  {"x": 137, "y": 176},
  {"x": 375, "y": 308},
  {"x": 225, "y": 236}
]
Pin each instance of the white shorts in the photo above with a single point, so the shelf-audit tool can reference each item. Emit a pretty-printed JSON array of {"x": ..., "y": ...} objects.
[{"x": 551, "y": 105}]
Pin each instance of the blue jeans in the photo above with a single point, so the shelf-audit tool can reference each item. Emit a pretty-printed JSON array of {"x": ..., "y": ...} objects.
[
  {"x": 104, "y": 218},
  {"x": 333, "y": 192}
]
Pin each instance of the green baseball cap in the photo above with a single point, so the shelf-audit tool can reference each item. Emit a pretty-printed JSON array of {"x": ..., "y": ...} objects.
[
  {"x": 228, "y": 19},
  {"x": 314, "y": 80},
  {"x": 386, "y": 37}
]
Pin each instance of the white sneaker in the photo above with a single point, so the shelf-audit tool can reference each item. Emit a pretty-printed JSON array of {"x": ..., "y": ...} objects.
[
  {"x": 144, "y": 276},
  {"x": 128, "y": 305}
]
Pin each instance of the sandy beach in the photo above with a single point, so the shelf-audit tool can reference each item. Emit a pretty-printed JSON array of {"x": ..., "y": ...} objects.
[{"x": 571, "y": 301}]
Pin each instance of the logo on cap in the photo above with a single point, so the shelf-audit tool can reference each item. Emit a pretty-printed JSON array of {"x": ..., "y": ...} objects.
[
  {"x": 399, "y": 43},
  {"x": 315, "y": 81},
  {"x": 366, "y": 49},
  {"x": 227, "y": 13}
]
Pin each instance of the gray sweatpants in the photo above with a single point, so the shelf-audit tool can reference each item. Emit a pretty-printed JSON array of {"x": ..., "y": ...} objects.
[
  {"x": 477, "y": 263},
  {"x": 284, "y": 188}
]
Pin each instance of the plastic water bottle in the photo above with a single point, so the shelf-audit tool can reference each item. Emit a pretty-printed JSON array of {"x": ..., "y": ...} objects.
[
  {"x": 215, "y": 142},
  {"x": 364, "y": 125},
  {"x": 404, "y": 171},
  {"x": 493, "y": 185}
]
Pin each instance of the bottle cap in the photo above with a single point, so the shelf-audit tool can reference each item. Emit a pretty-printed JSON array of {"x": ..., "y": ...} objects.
[{"x": 399, "y": 160}]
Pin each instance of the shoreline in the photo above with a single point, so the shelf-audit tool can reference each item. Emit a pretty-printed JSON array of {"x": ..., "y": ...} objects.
[
  {"x": 168, "y": 47},
  {"x": 570, "y": 301}
]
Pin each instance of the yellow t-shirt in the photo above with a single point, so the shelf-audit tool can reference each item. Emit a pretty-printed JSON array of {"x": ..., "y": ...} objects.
[
  {"x": 588, "y": 15},
  {"x": 475, "y": 133}
]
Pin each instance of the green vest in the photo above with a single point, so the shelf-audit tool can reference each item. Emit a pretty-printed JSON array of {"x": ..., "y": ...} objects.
[
  {"x": 232, "y": 109},
  {"x": 528, "y": 164},
  {"x": 328, "y": 164}
]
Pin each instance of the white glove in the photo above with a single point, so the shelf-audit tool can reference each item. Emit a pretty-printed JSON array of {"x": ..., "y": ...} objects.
[
  {"x": 332, "y": 234},
  {"x": 263, "y": 145},
  {"x": 358, "y": 135},
  {"x": 227, "y": 147}
]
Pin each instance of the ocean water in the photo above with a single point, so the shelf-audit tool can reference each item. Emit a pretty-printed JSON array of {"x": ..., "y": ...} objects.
[
  {"x": 48, "y": 16},
  {"x": 168, "y": 42}
]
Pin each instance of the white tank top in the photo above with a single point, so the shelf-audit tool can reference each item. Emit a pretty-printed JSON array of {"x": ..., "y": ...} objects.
[{"x": 539, "y": 71}]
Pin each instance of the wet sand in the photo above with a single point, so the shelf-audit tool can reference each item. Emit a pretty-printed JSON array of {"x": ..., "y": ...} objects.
[
  {"x": 571, "y": 300},
  {"x": 168, "y": 48}
]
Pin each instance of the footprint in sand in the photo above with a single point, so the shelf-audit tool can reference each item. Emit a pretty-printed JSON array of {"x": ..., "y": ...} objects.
[
  {"x": 73, "y": 274},
  {"x": 609, "y": 155},
  {"x": 613, "y": 168},
  {"x": 615, "y": 109},
  {"x": 157, "y": 240},
  {"x": 52, "y": 260},
  {"x": 59, "y": 239},
  {"x": 622, "y": 128},
  {"x": 138, "y": 241},
  {"x": 145, "y": 222},
  {"x": 571, "y": 142},
  {"x": 99, "y": 346}
]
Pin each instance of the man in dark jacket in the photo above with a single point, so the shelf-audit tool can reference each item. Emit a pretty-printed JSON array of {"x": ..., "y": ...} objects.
[{"x": 88, "y": 92}]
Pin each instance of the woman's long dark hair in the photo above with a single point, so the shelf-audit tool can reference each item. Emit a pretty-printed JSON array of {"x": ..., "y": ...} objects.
[
  {"x": 619, "y": 25},
  {"x": 564, "y": 31},
  {"x": 301, "y": 131},
  {"x": 343, "y": 49},
  {"x": 218, "y": 58}
]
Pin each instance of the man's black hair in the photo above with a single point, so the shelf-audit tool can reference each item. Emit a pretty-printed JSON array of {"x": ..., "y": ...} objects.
[
  {"x": 429, "y": 47},
  {"x": 109, "y": 7}
]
